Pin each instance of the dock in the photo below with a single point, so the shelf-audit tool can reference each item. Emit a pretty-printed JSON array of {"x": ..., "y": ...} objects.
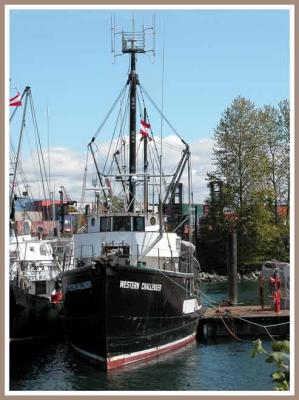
[{"x": 243, "y": 321}]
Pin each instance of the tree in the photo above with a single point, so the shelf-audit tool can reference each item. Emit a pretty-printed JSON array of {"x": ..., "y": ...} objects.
[
  {"x": 237, "y": 154},
  {"x": 276, "y": 150},
  {"x": 284, "y": 126},
  {"x": 251, "y": 160},
  {"x": 212, "y": 232}
]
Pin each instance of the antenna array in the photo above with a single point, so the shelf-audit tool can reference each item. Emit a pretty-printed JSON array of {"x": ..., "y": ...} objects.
[{"x": 133, "y": 41}]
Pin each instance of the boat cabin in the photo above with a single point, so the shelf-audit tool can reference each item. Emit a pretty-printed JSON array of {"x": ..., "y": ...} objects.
[{"x": 121, "y": 223}]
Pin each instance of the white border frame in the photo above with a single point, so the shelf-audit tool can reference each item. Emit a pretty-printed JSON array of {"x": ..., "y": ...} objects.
[{"x": 291, "y": 9}]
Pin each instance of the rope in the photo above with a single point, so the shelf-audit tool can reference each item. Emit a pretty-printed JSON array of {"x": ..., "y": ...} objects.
[
  {"x": 259, "y": 325},
  {"x": 263, "y": 326},
  {"x": 229, "y": 330},
  {"x": 228, "y": 313},
  {"x": 210, "y": 300}
]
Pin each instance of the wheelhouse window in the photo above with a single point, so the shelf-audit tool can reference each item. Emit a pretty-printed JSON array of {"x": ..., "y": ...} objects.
[
  {"x": 105, "y": 224},
  {"x": 138, "y": 224},
  {"x": 122, "y": 224}
]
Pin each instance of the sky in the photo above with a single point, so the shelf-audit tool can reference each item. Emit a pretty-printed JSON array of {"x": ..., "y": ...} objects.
[{"x": 210, "y": 57}]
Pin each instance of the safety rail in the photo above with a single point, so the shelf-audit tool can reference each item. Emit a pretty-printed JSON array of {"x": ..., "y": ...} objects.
[{"x": 161, "y": 261}]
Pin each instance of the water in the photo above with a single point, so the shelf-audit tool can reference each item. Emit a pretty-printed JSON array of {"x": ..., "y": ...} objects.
[
  {"x": 248, "y": 293},
  {"x": 222, "y": 365}
]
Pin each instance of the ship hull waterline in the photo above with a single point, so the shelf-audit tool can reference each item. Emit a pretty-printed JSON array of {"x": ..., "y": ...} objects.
[{"x": 118, "y": 315}]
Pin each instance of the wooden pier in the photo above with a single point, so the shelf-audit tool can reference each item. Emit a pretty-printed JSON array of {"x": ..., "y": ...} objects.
[{"x": 243, "y": 321}]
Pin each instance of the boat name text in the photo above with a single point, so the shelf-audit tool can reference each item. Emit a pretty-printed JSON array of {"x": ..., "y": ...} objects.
[
  {"x": 143, "y": 286},
  {"x": 79, "y": 286}
]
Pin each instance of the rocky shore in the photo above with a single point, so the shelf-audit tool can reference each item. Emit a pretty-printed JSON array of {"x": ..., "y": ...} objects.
[{"x": 207, "y": 277}]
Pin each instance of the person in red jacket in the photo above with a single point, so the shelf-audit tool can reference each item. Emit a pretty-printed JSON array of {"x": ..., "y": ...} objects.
[{"x": 274, "y": 282}]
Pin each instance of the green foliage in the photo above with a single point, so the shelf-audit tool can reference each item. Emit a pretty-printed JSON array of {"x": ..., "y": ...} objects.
[
  {"x": 283, "y": 345},
  {"x": 280, "y": 357},
  {"x": 258, "y": 348},
  {"x": 251, "y": 160},
  {"x": 236, "y": 152}
]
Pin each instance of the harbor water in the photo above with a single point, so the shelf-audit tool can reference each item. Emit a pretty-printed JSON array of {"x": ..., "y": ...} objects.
[{"x": 222, "y": 365}]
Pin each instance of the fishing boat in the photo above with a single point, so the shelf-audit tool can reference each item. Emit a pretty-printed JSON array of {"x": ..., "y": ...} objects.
[
  {"x": 35, "y": 304},
  {"x": 132, "y": 294},
  {"x": 35, "y": 300}
]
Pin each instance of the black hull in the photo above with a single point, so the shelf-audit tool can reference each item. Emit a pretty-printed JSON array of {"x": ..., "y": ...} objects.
[
  {"x": 117, "y": 315},
  {"x": 32, "y": 317}
]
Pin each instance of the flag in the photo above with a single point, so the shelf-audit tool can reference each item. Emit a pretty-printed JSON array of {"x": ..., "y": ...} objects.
[
  {"x": 108, "y": 183},
  {"x": 144, "y": 131},
  {"x": 15, "y": 101}
]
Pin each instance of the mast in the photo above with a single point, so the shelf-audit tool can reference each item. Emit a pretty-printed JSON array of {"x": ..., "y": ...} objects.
[
  {"x": 12, "y": 194},
  {"x": 132, "y": 43},
  {"x": 145, "y": 168},
  {"x": 133, "y": 80}
]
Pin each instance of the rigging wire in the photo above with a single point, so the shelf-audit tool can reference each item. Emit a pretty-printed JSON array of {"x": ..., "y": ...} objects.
[
  {"x": 155, "y": 185},
  {"x": 156, "y": 154},
  {"x": 49, "y": 162},
  {"x": 162, "y": 115},
  {"x": 37, "y": 176},
  {"x": 109, "y": 112},
  {"x": 121, "y": 129},
  {"x": 39, "y": 149},
  {"x": 23, "y": 177},
  {"x": 161, "y": 133},
  {"x": 170, "y": 145},
  {"x": 84, "y": 180},
  {"x": 18, "y": 150},
  {"x": 114, "y": 130},
  {"x": 27, "y": 88}
]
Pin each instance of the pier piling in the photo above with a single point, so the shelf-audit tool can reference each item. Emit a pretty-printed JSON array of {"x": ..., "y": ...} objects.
[{"x": 232, "y": 268}]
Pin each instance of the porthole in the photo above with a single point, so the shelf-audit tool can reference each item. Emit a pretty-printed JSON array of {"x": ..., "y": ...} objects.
[{"x": 153, "y": 221}]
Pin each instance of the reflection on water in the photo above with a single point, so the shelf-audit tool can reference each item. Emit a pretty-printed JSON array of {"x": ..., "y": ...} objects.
[{"x": 221, "y": 365}]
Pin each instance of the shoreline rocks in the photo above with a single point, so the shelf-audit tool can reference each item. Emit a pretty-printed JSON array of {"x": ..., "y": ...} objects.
[{"x": 206, "y": 277}]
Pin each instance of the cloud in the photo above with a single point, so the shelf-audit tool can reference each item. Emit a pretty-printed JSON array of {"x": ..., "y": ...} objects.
[{"x": 67, "y": 167}]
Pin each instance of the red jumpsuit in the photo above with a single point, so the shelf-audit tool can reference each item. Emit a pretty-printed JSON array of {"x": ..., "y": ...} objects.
[{"x": 275, "y": 291}]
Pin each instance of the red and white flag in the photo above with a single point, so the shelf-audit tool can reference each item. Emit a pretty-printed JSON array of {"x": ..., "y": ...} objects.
[
  {"x": 145, "y": 129},
  {"x": 15, "y": 101}
]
